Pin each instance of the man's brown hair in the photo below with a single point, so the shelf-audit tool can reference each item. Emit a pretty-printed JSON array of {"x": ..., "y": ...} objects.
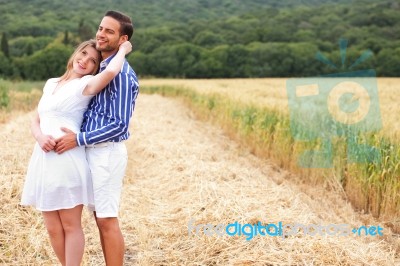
[{"x": 124, "y": 20}]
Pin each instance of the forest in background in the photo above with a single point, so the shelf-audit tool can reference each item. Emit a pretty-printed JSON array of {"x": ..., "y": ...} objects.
[{"x": 206, "y": 38}]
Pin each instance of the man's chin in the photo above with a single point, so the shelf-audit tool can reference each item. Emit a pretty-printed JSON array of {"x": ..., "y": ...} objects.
[{"x": 102, "y": 48}]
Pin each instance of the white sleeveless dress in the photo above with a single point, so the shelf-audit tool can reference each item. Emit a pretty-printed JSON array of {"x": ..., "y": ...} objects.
[{"x": 54, "y": 181}]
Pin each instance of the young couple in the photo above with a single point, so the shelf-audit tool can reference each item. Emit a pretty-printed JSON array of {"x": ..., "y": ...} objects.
[{"x": 79, "y": 157}]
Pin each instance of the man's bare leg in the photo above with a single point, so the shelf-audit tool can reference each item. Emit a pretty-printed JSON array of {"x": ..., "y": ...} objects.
[
  {"x": 112, "y": 241},
  {"x": 101, "y": 237}
]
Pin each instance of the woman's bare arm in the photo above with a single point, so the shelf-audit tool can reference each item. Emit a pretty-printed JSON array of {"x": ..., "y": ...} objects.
[
  {"x": 98, "y": 82},
  {"x": 46, "y": 142}
]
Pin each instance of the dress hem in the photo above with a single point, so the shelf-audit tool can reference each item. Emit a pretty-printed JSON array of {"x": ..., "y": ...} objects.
[{"x": 90, "y": 206}]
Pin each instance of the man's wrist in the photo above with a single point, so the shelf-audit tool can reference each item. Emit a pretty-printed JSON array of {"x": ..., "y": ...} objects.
[{"x": 79, "y": 139}]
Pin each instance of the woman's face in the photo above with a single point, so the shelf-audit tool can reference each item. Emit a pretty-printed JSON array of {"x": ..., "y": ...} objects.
[{"x": 86, "y": 61}]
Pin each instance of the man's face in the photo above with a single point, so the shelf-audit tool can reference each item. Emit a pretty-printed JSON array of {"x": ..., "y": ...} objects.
[{"x": 108, "y": 37}]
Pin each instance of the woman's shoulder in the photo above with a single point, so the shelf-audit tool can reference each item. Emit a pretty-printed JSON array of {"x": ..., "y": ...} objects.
[
  {"x": 81, "y": 85},
  {"x": 50, "y": 83},
  {"x": 83, "y": 81},
  {"x": 86, "y": 78},
  {"x": 52, "y": 80}
]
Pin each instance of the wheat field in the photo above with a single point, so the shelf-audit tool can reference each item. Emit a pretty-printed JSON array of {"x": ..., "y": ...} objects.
[
  {"x": 272, "y": 93},
  {"x": 180, "y": 170},
  {"x": 255, "y": 113}
]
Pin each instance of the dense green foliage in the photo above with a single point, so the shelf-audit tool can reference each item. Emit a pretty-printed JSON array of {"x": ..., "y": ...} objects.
[{"x": 206, "y": 38}]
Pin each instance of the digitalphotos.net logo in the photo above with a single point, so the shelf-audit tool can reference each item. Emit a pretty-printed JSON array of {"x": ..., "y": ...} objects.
[
  {"x": 280, "y": 229},
  {"x": 342, "y": 104}
]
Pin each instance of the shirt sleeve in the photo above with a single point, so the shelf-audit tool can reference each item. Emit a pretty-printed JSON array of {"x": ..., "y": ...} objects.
[
  {"x": 122, "y": 107},
  {"x": 82, "y": 85}
]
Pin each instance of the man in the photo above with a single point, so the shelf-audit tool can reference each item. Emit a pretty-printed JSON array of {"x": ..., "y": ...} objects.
[{"x": 104, "y": 127}]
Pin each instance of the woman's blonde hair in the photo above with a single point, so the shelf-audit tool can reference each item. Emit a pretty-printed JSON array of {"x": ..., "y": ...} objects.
[{"x": 81, "y": 46}]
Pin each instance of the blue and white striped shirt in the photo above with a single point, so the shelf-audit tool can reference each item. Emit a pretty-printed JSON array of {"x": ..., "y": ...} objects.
[{"x": 108, "y": 114}]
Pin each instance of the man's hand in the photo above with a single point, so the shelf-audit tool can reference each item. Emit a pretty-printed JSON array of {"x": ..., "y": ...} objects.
[{"x": 66, "y": 142}]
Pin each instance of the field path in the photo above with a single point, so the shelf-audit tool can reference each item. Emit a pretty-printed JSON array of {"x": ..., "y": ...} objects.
[{"x": 181, "y": 170}]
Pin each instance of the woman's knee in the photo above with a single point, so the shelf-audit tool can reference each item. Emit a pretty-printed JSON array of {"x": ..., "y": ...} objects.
[
  {"x": 70, "y": 227},
  {"x": 54, "y": 230},
  {"x": 53, "y": 223},
  {"x": 71, "y": 219}
]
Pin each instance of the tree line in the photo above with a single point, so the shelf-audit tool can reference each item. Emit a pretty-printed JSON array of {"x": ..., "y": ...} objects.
[{"x": 268, "y": 42}]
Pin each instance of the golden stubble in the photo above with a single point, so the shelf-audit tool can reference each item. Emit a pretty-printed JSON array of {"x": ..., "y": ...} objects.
[{"x": 271, "y": 93}]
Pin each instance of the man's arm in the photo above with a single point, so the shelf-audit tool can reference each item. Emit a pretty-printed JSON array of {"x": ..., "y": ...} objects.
[
  {"x": 121, "y": 108},
  {"x": 70, "y": 140},
  {"x": 124, "y": 104}
]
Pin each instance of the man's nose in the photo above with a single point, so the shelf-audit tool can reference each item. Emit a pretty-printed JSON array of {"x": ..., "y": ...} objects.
[{"x": 100, "y": 33}]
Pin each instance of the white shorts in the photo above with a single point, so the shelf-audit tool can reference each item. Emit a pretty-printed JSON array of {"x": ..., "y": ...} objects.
[{"x": 107, "y": 163}]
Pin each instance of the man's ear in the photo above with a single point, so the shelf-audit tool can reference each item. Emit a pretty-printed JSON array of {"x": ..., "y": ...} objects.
[{"x": 122, "y": 39}]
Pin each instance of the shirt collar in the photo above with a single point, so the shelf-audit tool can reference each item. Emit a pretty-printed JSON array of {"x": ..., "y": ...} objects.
[{"x": 106, "y": 61}]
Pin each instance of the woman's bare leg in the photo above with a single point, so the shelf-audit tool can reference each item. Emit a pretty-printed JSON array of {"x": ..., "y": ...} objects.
[
  {"x": 74, "y": 237},
  {"x": 55, "y": 229}
]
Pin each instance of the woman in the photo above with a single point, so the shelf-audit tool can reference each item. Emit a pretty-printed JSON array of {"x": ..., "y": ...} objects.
[{"x": 59, "y": 185}]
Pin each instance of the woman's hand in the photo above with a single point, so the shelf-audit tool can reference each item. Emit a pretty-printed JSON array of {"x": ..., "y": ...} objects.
[
  {"x": 126, "y": 47},
  {"x": 46, "y": 142}
]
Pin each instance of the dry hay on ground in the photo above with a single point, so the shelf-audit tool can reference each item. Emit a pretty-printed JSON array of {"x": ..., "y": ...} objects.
[{"x": 182, "y": 169}]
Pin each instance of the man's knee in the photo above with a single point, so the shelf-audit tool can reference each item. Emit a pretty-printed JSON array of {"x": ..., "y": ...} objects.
[{"x": 108, "y": 225}]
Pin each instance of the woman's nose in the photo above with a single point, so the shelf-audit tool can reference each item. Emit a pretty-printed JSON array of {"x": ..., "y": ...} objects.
[{"x": 85, "y": 60}]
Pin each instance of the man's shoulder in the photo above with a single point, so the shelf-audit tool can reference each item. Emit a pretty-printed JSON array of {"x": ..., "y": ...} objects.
[
  {"x": 128, "y": 70},
  {"x": 126, "y": 67}
]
